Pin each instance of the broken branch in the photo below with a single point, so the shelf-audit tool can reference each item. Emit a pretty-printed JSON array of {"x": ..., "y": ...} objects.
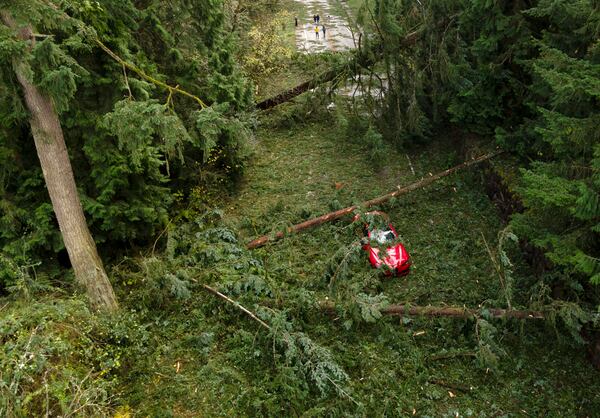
[
  {"x": 146, "y": 77},
  {"x": 456, "y": 312},
  {"x": 237, "y": 305},
  {"x": 259, "y": 242},
  {"x": 498, "y": 270}
]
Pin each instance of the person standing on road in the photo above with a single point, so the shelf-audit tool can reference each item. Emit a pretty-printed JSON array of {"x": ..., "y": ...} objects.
[
  {"x": 315, "y": 18},
  {"x": 324, "y": 31},
  {"x": 317, "y": 32},
  {"x": 296, "y": 21},
  {"x": 318, "y": 18}
]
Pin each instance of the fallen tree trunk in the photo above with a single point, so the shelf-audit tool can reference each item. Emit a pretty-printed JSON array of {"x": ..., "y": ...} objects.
[
  {"x": 450, "y": 312},
  {"x": 258, "y": 242},
  {"x": 359, "y": 59},
  {"x": 288, "y": 95}
]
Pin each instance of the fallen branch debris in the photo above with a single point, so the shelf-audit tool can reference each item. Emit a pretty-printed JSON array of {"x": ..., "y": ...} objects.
[
  {"x": 258, "y": 242},
  {"x": 237, "y": 305},
  {"x": 456, "y": 312}
]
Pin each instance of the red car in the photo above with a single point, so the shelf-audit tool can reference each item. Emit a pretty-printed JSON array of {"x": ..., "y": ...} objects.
[{"x": 397, "y": 259}]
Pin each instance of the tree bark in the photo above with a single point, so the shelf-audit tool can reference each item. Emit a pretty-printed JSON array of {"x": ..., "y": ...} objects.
[
  {"x": 60, "y": 182},
  {"x": 259, "y": 242}
]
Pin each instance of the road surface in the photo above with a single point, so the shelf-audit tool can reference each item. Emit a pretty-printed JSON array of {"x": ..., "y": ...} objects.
[{"x": 338, "y": 36}]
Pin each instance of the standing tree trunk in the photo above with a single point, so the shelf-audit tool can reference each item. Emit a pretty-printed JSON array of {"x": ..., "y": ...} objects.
[{"x": 60, "y": 182}]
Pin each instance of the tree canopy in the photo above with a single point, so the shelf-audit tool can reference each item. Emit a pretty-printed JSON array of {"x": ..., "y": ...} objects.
[{"x": 132, "y": 141}]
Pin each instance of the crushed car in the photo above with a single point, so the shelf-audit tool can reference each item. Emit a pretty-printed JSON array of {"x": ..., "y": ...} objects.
[{"x": 380, "y": 241}]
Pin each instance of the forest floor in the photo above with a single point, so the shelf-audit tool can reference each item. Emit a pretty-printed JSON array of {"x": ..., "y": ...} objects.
[
  {"x": 411, "y": 366},
  {"x": 305, "y": 165}
]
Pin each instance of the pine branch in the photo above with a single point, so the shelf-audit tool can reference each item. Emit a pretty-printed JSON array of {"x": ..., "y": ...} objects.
[
  {"x": 498, "y": 270},
  {"x": 126, "y": 64},
  {"x": 147, "y": 77}
]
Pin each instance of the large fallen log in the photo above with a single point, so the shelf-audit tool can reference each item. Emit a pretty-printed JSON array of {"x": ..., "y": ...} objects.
[
  {"x": 450, "y": 311},
  {"x": 359, "y": 59},
  {"x": 288, "y": 95},
  {"x": 258, "y": 242}
]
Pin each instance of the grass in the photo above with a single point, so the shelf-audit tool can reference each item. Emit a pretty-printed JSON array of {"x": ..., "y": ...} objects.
[
  {"x": 200, "y": 356},
  {"x": 355, "y": 5},
  {"x": 392, "y": 363},
  {"x": 295, "y": 174},
  {"x": 348, "y": 9}
]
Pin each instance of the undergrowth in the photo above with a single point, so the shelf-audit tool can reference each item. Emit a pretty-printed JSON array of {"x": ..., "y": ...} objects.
[{"x": 177, "y": 349}]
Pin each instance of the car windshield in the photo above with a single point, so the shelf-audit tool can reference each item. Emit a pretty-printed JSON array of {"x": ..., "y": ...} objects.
[{"x": 382, "y": 236}]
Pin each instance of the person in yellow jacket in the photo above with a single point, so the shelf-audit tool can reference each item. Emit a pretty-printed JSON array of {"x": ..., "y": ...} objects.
[{"x": 317, "y": 32}]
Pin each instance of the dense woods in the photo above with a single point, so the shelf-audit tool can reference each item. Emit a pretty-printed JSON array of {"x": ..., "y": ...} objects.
[
  {"x": 524, "y": 74},
  {"x": 143, "y": 144}
]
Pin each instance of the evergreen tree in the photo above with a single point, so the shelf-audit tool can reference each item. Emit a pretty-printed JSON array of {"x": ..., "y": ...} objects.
[
  {"x": 527, "y": 71},
  {"x": 415, "y": 42},
  {"x": 131, "y": 93},
  {"x": 58, "y": 175},
  {"x": 561, "y": 189}
]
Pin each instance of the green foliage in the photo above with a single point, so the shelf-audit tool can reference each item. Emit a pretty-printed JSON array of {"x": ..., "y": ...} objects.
[
  {"x": 417, "y": 43},
  {"x": 268, "y": 48},
  {"x": 196, "y": 352},
  {"x": 228, "y": 134},
  {"x": 506, "y": 266},
  {"x": 21, "y": 280},
  {"x": 57, "y": 358},
  {"x": 56, "y": 72},
  {"x": 489, "y": 90},
  {"x": 528, "y": 72},
  {"x": 308, "y": 359},
  {"x": 488, "y": 349},
  {"x": 204, "y": 250},
  {"x": 561, "y": 190},
  {"x": 146, "y": 130},
  {"x": 129, "y": 155},
  {"x": 373, "y": 140},
  {"x": 371, "y": 306}
]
